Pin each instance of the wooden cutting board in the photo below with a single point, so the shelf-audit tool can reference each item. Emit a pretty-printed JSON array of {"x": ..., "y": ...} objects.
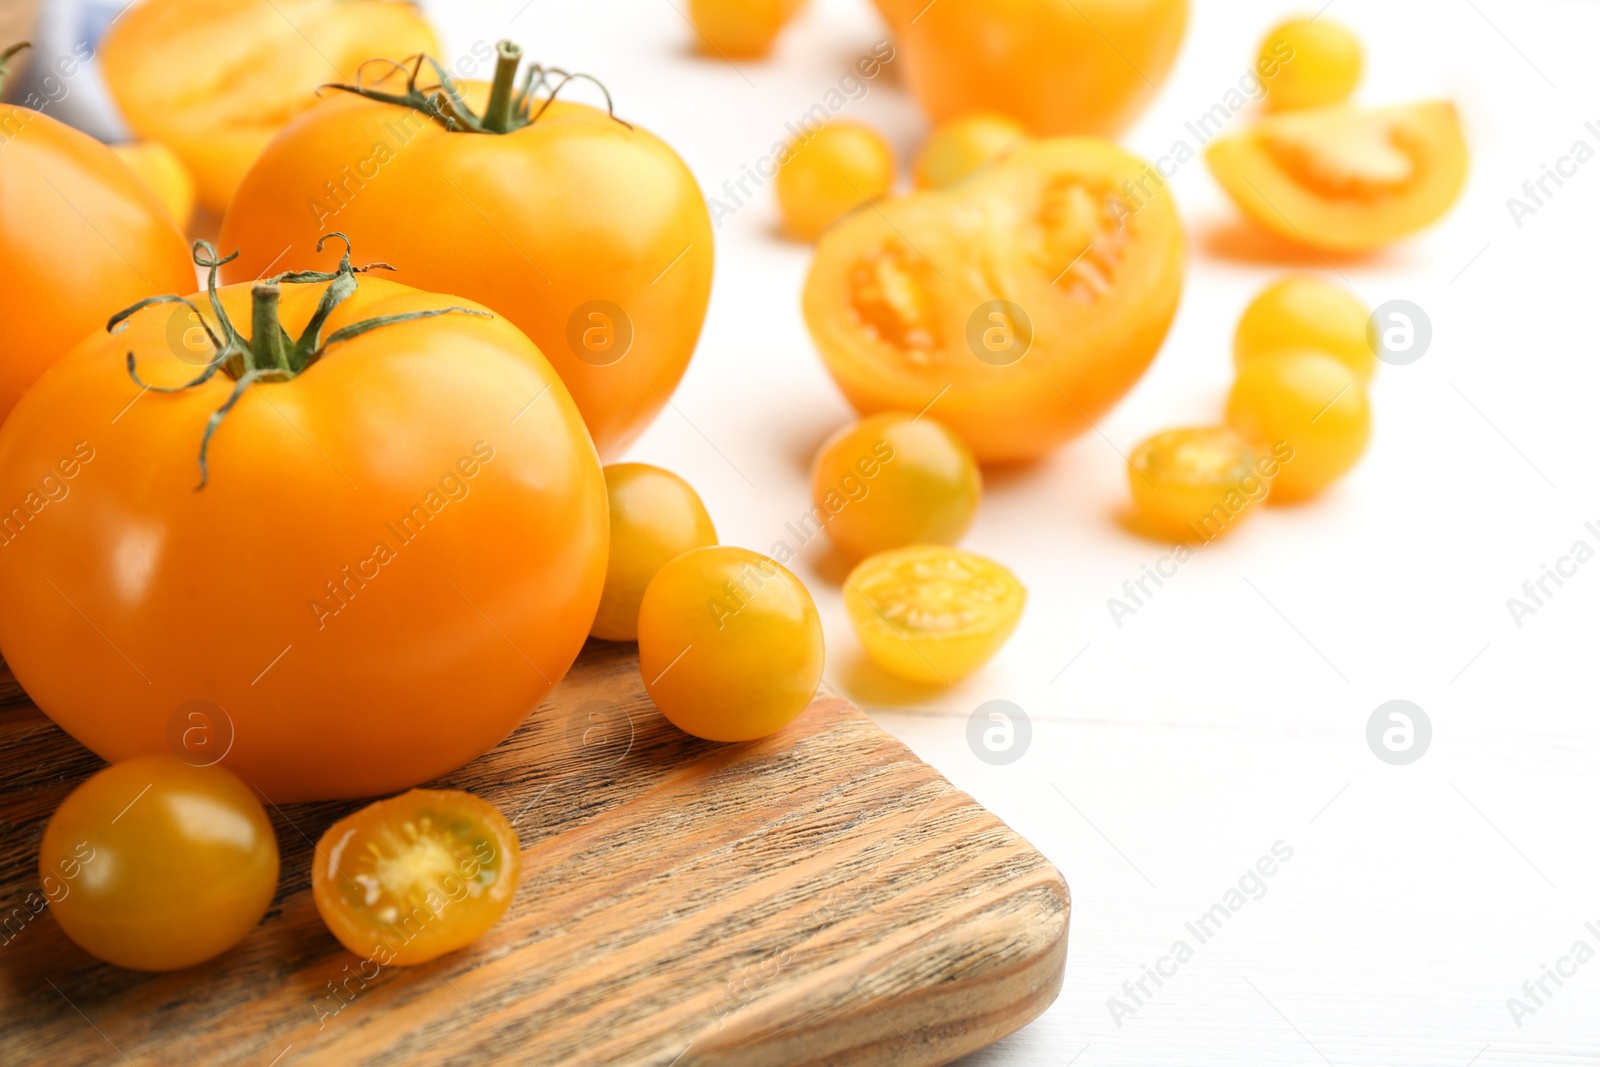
[{"x": 818, "y": 897}]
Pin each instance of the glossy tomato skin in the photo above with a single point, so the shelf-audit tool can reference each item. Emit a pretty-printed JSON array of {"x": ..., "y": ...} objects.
[
  {"x": 590, "y": 236},
  {"x": 1060, "y": 66},
  {"x": 656, "y": 516},
  {"x": 216, "y": 82},
  {"x": 410, "y": 878},
  {"x": 1016, "y": 307},
  {"x": 396, "y": 556},
  {"x": 156, "y": 864},
  {"x": 81, "y": 238}
]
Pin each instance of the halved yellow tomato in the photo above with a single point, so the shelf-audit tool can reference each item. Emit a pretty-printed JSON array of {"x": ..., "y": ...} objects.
[
  {"x": 1020, "y": 304},
  {"x": 1339, "y": 178}
]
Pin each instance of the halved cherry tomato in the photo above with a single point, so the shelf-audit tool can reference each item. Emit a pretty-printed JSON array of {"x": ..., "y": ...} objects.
[
  {"x": 1020, "y": 304},
  {"x": 407, "y": 879},
  {"x": 1341, "y": 179},
  {"x": 931, "y": 614},
  {"x": 160, "y": 168},
  {"x": 963, "y": 146},
  {"x": 829, "y": 172},
  {"x": 739, "y": 29},
  {"x": 396, "y": 554},
  {"x": 1195, "y": 484},
  {"x": 1307, "y": 409},
  {"x": 1323, "y": 64},
  {"x": 1061, "y": 66},
  {"x": 1304, "y": 311},
  {"x": 81, "y": 237},
  {"x": 587, "y": 233},
  {"x": 153, "y": 864},
  {"x": 892, "y": 480},
  {"x": 216, "y": 82},
  {"x": 730, "y": 645},
  {"x": 655, "y": 517}
]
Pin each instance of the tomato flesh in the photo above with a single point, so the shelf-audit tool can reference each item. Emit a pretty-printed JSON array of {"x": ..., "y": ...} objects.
[
  {"x": 1195, "y": 484},
  {"x": 408, "y": 879}
]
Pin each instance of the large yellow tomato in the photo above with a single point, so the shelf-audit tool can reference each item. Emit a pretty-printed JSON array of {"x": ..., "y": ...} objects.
[
  {"x": 81, "y": 237},
  {"x": 1016, "y": 307},
  {"x": 215, "y": 81},
  {"x": 394, "y": 553},
  {"x": 589, "y": 234},
  {"x": 1060, "y": 66}
]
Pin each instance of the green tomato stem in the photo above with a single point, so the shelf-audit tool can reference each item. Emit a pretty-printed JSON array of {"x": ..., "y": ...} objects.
[
  {"x": 5, "y": 61},
  {"x": 497, "y": 117}
]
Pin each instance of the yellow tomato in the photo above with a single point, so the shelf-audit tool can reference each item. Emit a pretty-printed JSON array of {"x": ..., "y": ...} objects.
[
  {"x": 932, "y": 614},
  {"x": 829, "y": 172},
  {"x": 1340, "y": 179},
  {"x": 161, "y": 169},
  {"x": 1306, "y": 408},
  {"x": 739, "y": 29},
  {"x": 1195, "y": 484},
  {"x": 963, "y": 146},
  {"x": 892, "y": 480},
  {"x": 1318, "y": 62},
  {"x": 655, "y": 517},
  {"x": 1304, "y": 311},
  {"x": 216, "y": 81},
  {"x": 730, "y": 645},
  {"x": 154, "y": 864}
]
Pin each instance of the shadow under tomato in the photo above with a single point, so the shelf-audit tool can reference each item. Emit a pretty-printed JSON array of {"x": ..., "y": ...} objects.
[{"x": 870, "y": 686}]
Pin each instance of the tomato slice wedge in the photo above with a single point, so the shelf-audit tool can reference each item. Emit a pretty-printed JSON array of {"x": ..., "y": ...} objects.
[{"x": 410, "y": 878}]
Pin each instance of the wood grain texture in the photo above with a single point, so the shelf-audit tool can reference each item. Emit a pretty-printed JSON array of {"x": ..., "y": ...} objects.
[{"x": 818, "y": 897}]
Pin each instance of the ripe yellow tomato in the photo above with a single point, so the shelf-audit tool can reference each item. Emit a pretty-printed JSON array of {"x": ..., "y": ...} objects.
[
  {"x": 407, "y": 879},
  {"x": 1323, "y": 63},
  {"x": 963, "y": 146},
  {"x": 730, "y": 645},
  {"x": 1304, "y": 311},
  {"x": 829, "y": 172},
  {"x": 895, "y": 479},
  {"x": 158, "y": 864},
  {"x": 1020, "y": 304},
  {"x": 655, "y": 517},
  {"x": 1060, "y": 66},
  {"x": 160, "y": 168},
  {"x": 739, "y": 29},
  {"x": 1309, "y": 410},
  {"x": 415, "y": 523},
  {"x": 1341, "y": 179},
  {"x": 1195, "y": 484},
  {"x": 81, "y": 237},
  {"x": 931, "y": 614},
  {"x": 216, "y": 82},
  {"x": 590, "y": 235}
]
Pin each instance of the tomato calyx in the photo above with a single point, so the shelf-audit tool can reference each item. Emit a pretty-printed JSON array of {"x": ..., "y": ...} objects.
[
  {"x": 270, "y": 354},
  {"x": 5, "y": 61},
  {"x": 510, "y": 106}
]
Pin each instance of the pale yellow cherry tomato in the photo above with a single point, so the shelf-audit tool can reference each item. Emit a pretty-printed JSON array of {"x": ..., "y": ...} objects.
[
  {"x": 739, "y": 29},
  {"x": 1308, "y": 409},
  {"x": 829, "y": 172},
  {"x": 1196, "y": 483},
  {"x": 963, "y": 146},
  {"x": 931, "y": 614},
  {"x": 1304, "y": 311},
  {"x": 655, "y": 516},
  {"x": 1317, "y": 62},
  {"x": 730, "y": 645},
  {"x": 162, "y": 170},
  {"x": 895, "y": 479}
]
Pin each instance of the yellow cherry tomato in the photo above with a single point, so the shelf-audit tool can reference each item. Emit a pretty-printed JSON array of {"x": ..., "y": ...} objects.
[
  {"x": 829, "y": 172},
  {"x": 407, "y": 879},
  {"x": 154, "y": 864},
  {"x": 1318, "y": 62},
  {"x": 161, "y": 169},
  {"x": 740, "y": 29},
  {"x": 1304, "y": 311},
  {"x": 1308, "y": 409},
  {"x": 932, "y": 614},
  {"x": 895, "y": 479},
  {"x": 730, "y": 645},
  {"x": 1196, "y": 483},
  {"x": 965, "y": 145},
  {"x": 655, "y": 516}
]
